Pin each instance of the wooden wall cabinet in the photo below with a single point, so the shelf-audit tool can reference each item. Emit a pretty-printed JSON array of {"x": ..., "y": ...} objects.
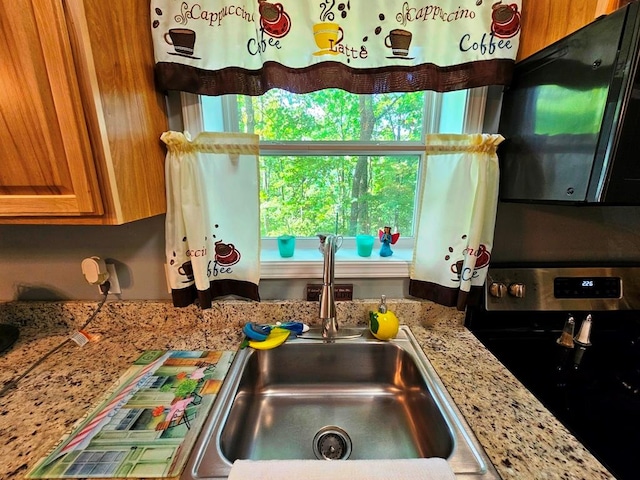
[
  {"x": 546, "y": 21},
  {"x": 80, "y": 118}
]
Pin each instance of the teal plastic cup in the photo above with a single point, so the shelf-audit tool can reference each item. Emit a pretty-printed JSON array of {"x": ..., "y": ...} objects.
[
  {"x": 286, "y": 245},
  {"x": 364, "y": 245}
]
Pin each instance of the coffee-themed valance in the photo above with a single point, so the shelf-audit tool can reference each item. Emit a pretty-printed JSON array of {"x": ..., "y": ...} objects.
[{"x": 217, "y": 47}]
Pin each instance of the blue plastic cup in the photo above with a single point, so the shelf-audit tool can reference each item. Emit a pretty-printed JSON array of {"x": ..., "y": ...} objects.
[
  {"x": 364, "y": 245},
  {"x": 286, "y": 245}
]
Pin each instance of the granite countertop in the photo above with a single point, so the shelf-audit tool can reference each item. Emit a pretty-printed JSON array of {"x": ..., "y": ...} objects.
[{"x": 522, "y": 439}]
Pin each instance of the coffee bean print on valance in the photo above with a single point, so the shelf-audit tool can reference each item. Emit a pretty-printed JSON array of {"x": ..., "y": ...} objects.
[{"x": 361, "y": 46}]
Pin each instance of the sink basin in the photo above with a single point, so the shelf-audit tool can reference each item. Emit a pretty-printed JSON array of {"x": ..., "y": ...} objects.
[{"x": 355, "y": 398}]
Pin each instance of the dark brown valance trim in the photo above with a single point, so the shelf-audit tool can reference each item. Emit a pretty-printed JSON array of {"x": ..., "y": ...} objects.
[
  {"x": 447, "y": 296},
  {"x": 219, "y": 288},
  {"x": 183, "y": 297},
  {"x": 175, "y": 76}
]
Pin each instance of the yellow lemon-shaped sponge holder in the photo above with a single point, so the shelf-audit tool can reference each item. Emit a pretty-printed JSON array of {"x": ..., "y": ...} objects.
[{"x": 383, "y": 324}]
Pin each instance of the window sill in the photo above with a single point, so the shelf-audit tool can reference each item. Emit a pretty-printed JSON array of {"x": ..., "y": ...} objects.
[{"x": 308, "y": 263}]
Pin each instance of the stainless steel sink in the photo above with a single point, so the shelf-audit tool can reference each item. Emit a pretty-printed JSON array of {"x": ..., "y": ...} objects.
[{"x": 355, "y": 398}]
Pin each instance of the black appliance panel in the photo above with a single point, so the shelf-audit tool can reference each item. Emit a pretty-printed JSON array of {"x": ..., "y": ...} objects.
[
  {"x": 569, "y": 118},
  {"x": 587, "y": 287},
  {"x": 593, "y": 388}
]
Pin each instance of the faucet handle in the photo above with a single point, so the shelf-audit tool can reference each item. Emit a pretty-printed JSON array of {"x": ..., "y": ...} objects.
[
  {"x": 323, "y": 239},
  {"x": 337, "y": 242}
]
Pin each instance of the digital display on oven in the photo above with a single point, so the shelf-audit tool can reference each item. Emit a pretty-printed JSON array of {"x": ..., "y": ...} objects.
[{"x": 587, "y": 287}]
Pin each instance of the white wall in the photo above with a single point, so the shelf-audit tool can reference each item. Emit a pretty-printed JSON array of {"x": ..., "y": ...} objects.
[
  {"x": 43, "y": 262},
  {"x": 553, "y": 233}
]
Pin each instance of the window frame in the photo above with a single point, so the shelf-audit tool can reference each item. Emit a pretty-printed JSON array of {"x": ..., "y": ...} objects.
[{"x": 307, "y": 260}]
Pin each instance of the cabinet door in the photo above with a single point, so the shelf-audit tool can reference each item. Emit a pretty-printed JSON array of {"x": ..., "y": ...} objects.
[
  {"x": 46, "y": 164},
  {"x": 545, "y": 21}
]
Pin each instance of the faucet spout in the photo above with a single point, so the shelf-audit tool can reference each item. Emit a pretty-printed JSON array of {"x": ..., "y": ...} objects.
[{"x": 328, "y": 246}]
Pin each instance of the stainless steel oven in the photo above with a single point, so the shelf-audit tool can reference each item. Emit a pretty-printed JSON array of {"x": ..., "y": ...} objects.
[{"x": 571, "y": 335}]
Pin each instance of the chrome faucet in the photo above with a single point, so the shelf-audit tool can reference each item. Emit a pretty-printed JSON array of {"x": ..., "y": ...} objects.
[{"x": 329, "y": 244}]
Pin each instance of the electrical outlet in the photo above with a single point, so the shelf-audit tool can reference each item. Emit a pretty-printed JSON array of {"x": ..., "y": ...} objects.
[
  {"x": 341, "y": 292},
  {"x": 114, "y": 287}
]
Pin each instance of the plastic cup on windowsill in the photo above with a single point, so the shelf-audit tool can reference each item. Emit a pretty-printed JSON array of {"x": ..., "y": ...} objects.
[
  {"x": 286, "y": 245},
  {"x": 364, "y": 245}
]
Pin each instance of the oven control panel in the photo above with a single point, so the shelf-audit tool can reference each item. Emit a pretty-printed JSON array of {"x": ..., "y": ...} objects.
[
  {"x": 587, "y": 287},
  {"x": 563, "y": 288}
]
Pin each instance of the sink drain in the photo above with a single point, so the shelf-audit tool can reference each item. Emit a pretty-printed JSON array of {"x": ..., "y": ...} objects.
[{"x": 332, "y": 443}]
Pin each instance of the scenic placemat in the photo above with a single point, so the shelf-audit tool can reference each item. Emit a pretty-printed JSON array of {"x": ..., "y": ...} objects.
[{"x": 147, "y": 423}]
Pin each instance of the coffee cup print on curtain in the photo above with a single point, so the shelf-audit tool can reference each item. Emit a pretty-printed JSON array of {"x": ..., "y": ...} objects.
[
  {"x": 273, "y": 19},
  {"x": 327, "y": 36},
  {"x": 399, "y": 42},
  {"x": 183, "y": 41},
  {"x": 483, "y": 258},
  {"x": 327, "y": 33},
  {"x": 505, "y": 20},
  {"x": 226, "y": 254}
]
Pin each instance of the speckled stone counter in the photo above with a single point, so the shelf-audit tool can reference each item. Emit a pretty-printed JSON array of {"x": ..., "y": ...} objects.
[{"x": 523, "y": 440}]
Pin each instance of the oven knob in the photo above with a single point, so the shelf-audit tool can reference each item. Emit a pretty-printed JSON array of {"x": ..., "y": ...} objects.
[
  {"x": 516, "y": 290},
  {"x": 497, "y": 289}
]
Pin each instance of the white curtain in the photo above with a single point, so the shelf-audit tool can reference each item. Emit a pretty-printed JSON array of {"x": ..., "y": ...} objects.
[
  {"x": 456, "y": 220},
  {"x": 212, "y": 231}
]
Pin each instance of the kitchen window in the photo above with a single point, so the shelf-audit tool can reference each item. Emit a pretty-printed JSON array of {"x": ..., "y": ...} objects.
[{"x": 335, "y": 162}]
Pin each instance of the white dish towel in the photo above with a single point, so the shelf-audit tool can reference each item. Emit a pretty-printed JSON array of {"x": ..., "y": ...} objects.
[{"x": 409, "y": 469}]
